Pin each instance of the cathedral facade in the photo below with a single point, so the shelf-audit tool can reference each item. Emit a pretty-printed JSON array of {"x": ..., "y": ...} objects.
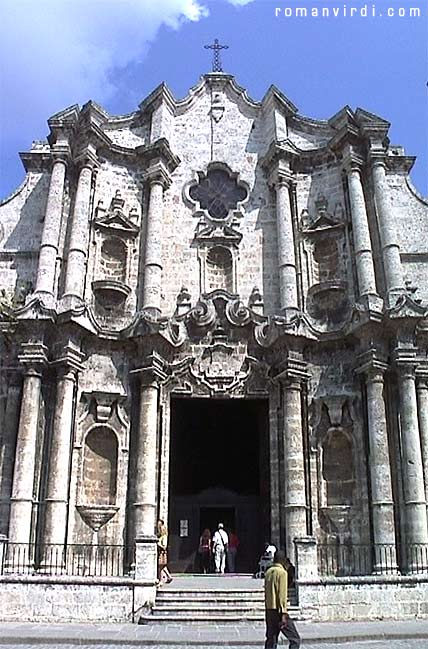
[{"x": 216, "y": 308}]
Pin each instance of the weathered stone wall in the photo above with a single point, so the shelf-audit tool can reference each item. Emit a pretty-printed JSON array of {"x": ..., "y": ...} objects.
[
  {"x": 66, "y": 602},
  {"x": 364, "y": 598}
]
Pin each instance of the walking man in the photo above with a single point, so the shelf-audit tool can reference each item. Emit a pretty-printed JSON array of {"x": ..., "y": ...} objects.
[
  {"x": 220, "y": 543},
  {"x": 277, "y": 619}
]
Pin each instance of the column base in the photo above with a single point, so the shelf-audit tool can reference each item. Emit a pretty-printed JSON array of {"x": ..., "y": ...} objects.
[{"x": 146, "y": 559}]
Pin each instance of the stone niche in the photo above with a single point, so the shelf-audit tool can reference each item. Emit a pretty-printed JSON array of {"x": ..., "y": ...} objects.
[
  {"x": 324, "y": 251},
  {"x": 338, "y": 457},
  {"x": 114, "y": 248},
  {"x": 102, "y": 466}
]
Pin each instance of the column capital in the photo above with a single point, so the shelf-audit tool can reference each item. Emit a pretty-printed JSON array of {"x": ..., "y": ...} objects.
[
  {"x": 372, "y": 364},
  {"x": 157, "y": 174},
  {"x": 154, "y": 373},
  {"x": 60, "y": 153},
  {"x": 377, "y": 159},
  {"x": 34, "y": 358},
  {"x": 352, "y": 161},
  {"x": 70, "y": 361},
  {"x": 87, "y": 159},
  {"x": 406, "y": 360},
  {"x": 281, "y": 175},
  {"x": 293, "y": 371},
  {"x": 422, "y": 376}
]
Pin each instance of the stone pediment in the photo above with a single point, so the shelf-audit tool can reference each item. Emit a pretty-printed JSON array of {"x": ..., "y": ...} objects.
[
  {"x": 215, "y": 234},
  {"x": 117, "y": 221},
  {"x": 323, "y": 222},
  {"x": 114, "y": 220}
]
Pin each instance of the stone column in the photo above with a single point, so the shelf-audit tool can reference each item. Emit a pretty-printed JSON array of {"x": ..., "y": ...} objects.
[
  {"x": 422, "y": 398},
  {"x": 34, "y": 358},
  {"x": 285, "y": 242},
  {"x": 382, "y": 504},
  {"x": 361, "y": 234},
  {"x": 413, "y": 478},
  {"x": 158, "y": 180},
  {"x": 45, "y": 283},
  {"x": 145, "y": 485},
  {"x": 10, "y": 429},
  {"x": 393, "y": 269},
  {"x": 79, "y": 236},
  {"x": 56, "y": 501},
  {"x": 294, "y": 496}
]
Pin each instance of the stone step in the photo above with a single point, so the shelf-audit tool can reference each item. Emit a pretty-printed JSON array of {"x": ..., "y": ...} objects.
[{"x": 211, "y": 616}]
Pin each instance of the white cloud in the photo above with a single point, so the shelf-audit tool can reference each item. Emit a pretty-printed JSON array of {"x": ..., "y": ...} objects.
[
  {"x": 54, "y": 53},
  {"x": 239, "y": 3}
]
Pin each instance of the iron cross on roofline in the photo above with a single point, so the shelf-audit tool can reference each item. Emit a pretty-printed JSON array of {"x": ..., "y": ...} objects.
[{"x": 216, "y": 57}]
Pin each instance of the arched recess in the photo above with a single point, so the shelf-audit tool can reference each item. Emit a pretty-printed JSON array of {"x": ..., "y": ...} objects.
[
  {"x": 219, "y": 269},
  {"x": 113, "y": 259},
  {"x": 100, "y": 455},
  {"x": 338, "y": 471}
]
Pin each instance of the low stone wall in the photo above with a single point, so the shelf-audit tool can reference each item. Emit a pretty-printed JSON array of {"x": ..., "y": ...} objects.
[
  {"x": 364, "y": 598},
  {"x": 67, "y": 599}
]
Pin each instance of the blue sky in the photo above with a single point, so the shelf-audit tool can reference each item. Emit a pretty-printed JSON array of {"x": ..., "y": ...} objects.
[{"x": 55, "y": 53}]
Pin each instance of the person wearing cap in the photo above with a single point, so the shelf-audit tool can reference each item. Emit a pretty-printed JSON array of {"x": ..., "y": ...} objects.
[
  {"x": 219, "y": 545},
  {"x": 277, "y": 619}
]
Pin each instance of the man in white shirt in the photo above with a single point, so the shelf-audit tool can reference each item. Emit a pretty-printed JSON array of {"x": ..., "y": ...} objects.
[{"x": 220, "y": 543}]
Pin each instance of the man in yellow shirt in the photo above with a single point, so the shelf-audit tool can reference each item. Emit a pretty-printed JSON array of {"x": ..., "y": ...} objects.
[{"x": 277, "y": 618}]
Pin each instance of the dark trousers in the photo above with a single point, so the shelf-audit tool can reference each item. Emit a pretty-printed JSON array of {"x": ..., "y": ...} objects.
[{"x": 274, "y": 627}]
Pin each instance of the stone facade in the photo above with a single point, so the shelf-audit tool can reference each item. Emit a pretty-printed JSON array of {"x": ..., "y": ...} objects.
[{"x": 217, "y": 248}]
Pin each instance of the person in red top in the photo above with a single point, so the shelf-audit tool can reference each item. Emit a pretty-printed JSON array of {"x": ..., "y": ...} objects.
[
  {"x": 204, "y": 551},
  {"x": 232, "y": 549}
]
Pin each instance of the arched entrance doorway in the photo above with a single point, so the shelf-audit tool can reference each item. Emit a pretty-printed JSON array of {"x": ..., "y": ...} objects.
[{"x": 219, "y": 472}]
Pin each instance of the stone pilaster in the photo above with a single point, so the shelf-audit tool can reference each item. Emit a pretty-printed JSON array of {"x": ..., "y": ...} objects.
[
  {"x": 413, "y": 477},
  {"x": 282, "y": 179},
  {"x": 7, "y": 453},
  {"x": 79, "y": 236},
  {"x": 56, "y": 501},
  {"x": 422, "y": 399},
  {"x": 394, "y": 280},
  {"x": 294, "y": 497},
  {"x": 367, "y": 288},
  {"x": 34, "y": 358},
  {"x": 45, "y": 283},
  {"x": 158, "y": 180},
  {"x": 382, "y": 504}
]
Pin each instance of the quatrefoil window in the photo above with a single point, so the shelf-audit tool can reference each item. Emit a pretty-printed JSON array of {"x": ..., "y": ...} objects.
[{"x": 217, "y": 192}]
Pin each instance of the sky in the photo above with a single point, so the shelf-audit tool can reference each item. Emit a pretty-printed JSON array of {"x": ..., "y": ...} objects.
[{"x": 55, "y": 53}]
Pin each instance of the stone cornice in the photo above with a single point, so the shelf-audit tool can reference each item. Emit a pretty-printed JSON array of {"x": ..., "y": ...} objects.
[
  {"x": 400, "y": 163},
  {"x": 159, "y": 151},
  {"x": 371, "y": 126},
  {"x": 276, "y": 95}
]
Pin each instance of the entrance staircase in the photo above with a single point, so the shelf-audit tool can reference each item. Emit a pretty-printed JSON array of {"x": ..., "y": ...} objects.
[{"x": 214, "y": 599}]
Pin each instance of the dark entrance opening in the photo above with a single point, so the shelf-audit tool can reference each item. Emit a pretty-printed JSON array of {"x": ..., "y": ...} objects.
[{"x": 219, "y": 472}]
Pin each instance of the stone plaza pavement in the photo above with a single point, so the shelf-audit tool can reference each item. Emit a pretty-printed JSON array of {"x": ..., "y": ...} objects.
[{"x": 358, "y": 635}]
